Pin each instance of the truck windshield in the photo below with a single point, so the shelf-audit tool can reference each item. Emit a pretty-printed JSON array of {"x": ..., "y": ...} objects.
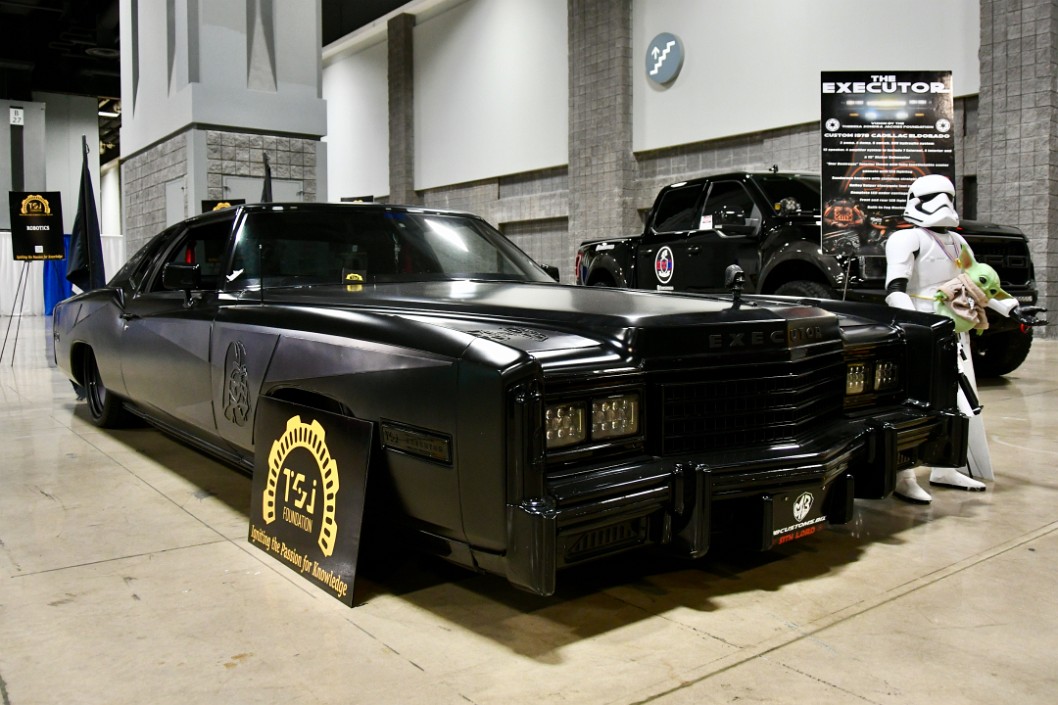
[{"x": 802, "y": 188}]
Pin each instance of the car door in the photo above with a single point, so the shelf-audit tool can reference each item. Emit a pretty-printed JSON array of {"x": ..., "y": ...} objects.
[
  {"x": 165, "y": 344},
  {"x": 662, "y": 259},
  {"x": 728, "y": 233}
]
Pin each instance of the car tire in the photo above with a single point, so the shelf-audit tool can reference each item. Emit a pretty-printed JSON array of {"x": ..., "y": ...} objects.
[
  {"x": 105, "y": 409},
  {"x": 803, "y": 287},
  {"x": 998, "y": 354}
]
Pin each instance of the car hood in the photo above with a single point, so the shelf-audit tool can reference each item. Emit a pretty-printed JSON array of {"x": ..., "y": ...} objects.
[{"x": 544, "y": 319}]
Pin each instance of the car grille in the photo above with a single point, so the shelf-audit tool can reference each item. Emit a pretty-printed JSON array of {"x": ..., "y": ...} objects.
[
  {"x": 750, "y": 405},
  {"x": 1010, "y": 259}
]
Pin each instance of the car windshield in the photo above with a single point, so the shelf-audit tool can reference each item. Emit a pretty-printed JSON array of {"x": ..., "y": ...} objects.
[
  {"x": 295, "y": 247},
  {"x": 802, "y": 188}
]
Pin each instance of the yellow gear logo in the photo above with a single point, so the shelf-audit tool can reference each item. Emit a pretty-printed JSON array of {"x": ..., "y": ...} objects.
[
  {"x": 35, "y": 205},
  {"x": 313, "y": 438}
]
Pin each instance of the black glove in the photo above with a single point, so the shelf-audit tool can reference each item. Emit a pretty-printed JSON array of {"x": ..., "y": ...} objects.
[{"x": 1027, "y": 315}]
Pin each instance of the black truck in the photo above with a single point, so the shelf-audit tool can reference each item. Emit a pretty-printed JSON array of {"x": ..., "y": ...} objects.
[{"x": 769, "y": 224}]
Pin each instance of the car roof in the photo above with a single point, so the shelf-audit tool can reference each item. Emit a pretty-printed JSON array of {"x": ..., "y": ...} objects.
[
  {"x": 741, "y": 176},
  {"x": 235, "y": 211}
]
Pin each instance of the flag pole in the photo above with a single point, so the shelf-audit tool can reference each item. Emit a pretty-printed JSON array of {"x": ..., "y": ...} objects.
[{"x": 85, "y": 265}]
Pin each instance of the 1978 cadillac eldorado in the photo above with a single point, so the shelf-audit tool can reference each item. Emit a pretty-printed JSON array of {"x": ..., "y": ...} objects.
[{"x": 520, "y": 425}]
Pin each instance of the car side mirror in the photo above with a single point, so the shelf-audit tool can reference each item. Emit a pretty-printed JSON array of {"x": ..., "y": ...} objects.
[
  {"x": 182, "y": 277},
  {"x": 551, "y": 270}
]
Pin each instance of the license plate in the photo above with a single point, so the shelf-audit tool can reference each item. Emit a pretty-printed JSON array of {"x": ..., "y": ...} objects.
[{"x": 797, "y": 514}]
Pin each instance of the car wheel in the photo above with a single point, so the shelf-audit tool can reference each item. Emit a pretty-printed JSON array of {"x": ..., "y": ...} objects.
[
  {"x": 999, "y": 353},
  {"x": 105, "y": 409},
  {"x": 802, "y": 287}
]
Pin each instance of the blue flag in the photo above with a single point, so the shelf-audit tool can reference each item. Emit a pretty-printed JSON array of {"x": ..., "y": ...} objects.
[{"x": 84, "y": 269}]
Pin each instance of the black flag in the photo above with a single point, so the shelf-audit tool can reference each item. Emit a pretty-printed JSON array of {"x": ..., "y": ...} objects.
[
  {"x": 266, "y": 192},
  {"x": 85, "y": 266}
]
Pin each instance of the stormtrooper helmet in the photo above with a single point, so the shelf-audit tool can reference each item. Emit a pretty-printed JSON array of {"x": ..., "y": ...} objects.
[{"x": 931, "y": 202}]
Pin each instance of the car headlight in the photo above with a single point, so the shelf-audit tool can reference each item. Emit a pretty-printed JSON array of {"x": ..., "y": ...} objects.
[
  {"x": 564, "y": 424},
  {"x": 613, "y": 416},
  {"x": 871, "y": 376},
  {"x": 886, "y": 375},
  {"x": 856, "y": 378}
]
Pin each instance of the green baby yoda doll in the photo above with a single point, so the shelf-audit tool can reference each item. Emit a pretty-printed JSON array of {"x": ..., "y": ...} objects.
[{"x": 964, "y": 298}]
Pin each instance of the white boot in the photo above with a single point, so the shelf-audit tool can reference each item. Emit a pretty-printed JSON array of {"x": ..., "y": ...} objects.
[
  {"x": 952, "y": 477},
  {"x": 907, "y": 488}
]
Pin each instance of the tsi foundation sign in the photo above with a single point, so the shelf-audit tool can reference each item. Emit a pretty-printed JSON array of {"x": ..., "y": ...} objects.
[{"x": 310, "y": 477}]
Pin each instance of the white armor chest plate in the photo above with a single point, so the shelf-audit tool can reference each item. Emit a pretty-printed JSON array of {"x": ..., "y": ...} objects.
[{"x": 935, "y": 263}]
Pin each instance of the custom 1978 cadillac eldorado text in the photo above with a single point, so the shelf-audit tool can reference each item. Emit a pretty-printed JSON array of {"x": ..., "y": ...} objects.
[{"x": 519, "y": 425}]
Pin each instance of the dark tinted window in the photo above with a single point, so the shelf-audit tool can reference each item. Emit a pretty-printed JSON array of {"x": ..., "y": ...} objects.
[
  {"x": 300, "y": 247},
  {"x": 803, "y": 189},
  {"x": 203, "y": 244},
  {"x": 730, "y": 204},
  {"x": 678, "y": 209},
  {"x": 136, "y": 268}
]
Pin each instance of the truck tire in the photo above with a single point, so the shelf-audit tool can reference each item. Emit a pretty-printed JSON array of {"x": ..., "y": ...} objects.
[
  {"x": 1000, "y": 353},
  {"x": 803, "y": 287}
]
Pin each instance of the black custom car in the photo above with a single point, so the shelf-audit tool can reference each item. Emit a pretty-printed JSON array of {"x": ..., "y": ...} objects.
[{"x": 520, "y": 425}]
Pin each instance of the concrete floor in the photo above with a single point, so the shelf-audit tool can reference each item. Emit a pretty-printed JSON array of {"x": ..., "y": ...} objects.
[{"x": 126, "y": 577}]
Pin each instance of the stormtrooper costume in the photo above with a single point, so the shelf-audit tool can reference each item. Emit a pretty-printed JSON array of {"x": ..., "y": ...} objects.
[{"x": 918, "y": 261}]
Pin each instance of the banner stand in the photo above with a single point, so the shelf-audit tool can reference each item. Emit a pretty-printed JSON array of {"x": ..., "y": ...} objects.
[{"x": 19, "y": 301}]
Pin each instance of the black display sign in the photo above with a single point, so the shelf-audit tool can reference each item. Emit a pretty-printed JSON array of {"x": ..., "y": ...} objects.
[
  {"x": 880, "y": 132},
  {"x": 221, "y": 204},
  {"x": 310, "y": 477},
  {"x": 36, "y": 225}
]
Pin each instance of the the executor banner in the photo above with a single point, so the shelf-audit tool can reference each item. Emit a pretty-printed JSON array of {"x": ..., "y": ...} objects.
[
  {"x": 309, "y": 482},
  {"x": 880, "y": 132}
]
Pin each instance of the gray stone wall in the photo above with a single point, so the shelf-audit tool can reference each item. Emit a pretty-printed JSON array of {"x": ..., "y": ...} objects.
[
  {"x": 145, "y": 175},
  {"x": 546, "y": 242},
  {"x": 241, "y": 154},
  {"x": 1018, "y": 130},
  {"x": 401, "y": 79},
  {"x": 601, "y": 166},
  {"x": 143, "y": 180}
]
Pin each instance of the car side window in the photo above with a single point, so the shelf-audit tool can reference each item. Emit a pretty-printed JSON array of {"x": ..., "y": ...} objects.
[
  {"x": 678, "y": 209},
  {"x": 729, "y": 203},
  {"x": 203, "y": 244},
  {"x": 131, "y": 275}
]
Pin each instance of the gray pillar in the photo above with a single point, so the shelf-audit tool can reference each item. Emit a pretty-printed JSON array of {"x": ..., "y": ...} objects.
[
  {"x": 1018, "y": 129},
  {"x": 402, "y": 111},
  {"x": 208, "y": 88},
  {"x": 601, "y": 165}
]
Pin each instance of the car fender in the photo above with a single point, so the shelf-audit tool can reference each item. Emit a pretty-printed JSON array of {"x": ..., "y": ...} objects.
[
  {"x": 621, "y": 274},
  {"x": 615, "y": 257},
  {"x": 82, "y": 322},
  {"x": 800, "y": 259}
]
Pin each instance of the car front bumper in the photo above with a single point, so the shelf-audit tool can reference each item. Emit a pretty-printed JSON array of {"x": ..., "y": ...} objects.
[{"x": 758, "y": 499}]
